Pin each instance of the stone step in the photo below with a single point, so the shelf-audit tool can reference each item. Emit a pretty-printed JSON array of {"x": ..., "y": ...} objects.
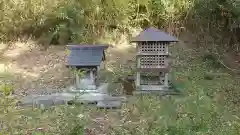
[
  {"x": 82, "y": 103},
  {"x": 103, "y": 88},
  {"x": 46, "y": 101},
  {"x": 109, "y": 104},
  {"x": 154, "y": 92}
]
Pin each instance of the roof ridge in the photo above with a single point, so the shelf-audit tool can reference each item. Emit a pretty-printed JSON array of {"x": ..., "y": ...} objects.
[{"x": 154, "y": 34}]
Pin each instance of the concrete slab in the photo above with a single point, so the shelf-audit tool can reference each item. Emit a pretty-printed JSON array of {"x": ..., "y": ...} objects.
[
  {"x": 62, "y": 98},
  {"x": 80, "y": 96},
  {"x": 154, "y": 92},
  {"x": 29, "y": 100},
  {"x": 44, "y": 103},
  {"x": 74, "y": 90},
  {"x": 111, "y": 98},
  {"x": 109, "y": 104},
  {"x": 86, "y": 83},
  {"x": 103, "y": 88},
  {"x": 89, "y": 96},
  {"x": 59, "y": 102}
]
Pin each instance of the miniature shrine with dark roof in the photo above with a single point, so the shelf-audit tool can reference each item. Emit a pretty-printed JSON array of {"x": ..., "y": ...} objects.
[
  {"x": 152, "y": 59},
  {"x": 89, "y": 58},
  {"x": 82, "y": 56}
]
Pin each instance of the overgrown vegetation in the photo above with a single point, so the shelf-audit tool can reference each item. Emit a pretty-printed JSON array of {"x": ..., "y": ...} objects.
[
  {"x": 61, "y": 22},
  {"x": 207, "y": 106},
  {"x": 210, "y": 101}
]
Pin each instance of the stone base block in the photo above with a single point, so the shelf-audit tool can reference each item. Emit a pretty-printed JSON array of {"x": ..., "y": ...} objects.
[{"x": 109, "y": 104}]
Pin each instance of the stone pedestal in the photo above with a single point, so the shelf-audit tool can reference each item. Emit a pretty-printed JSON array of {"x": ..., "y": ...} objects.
[{"x": 98, "y": 96}]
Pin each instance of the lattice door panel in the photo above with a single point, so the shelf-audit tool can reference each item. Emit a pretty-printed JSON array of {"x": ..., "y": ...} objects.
[
  {"x": 158, "y": 61},
  {"x": 153, "y": 47}
]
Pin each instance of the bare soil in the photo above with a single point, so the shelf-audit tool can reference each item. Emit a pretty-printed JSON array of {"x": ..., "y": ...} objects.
[{"x": 34, "y": 69}]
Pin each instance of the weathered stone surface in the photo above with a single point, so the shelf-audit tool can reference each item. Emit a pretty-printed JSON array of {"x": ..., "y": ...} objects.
[
  {"x": 59, "y": 102},
  {"x": 44, "y": 103},
  {"x": 77, "y": 95},
  {"x": 35, "y": 100},
  {"x": 86, "y": 83},
  {"x": 103, "y": 88},
  {"x": 90, "y": 97},
  {"x": 109, "y": 104},
  {"x": 62, "y": 98},
  {"x": 29, "y": 100},
  {"x": 111, "y": 98},
  {"x": 75, "y": 90}
]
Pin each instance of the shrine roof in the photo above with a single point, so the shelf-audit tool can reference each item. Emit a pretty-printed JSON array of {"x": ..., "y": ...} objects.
[
  {"x": 153, "y": 34},
  {"x": 86, "y": 55}
]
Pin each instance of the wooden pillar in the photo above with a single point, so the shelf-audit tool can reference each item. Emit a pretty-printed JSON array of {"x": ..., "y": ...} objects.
[
  {"x": 138, "y": 79},
  {"x": 160, "y": 77},
  {"x": 166, "y": 80},
  {"x": 91, "y": 75},
  {"x": 98, "y": 68},
  {"x": 77, "y": 80},
  {"x": 166, "y": 47}
]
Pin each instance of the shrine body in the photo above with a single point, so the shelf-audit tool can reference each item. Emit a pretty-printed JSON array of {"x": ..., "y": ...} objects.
[
  {"x": 88, "y": 59},
  {"x": 152, "y": 58}
]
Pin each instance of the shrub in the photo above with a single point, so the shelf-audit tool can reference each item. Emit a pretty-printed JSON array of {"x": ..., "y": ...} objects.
[{"x": 6, "y": 89}]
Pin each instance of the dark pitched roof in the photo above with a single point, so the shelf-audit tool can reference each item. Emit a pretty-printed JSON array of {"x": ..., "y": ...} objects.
[
  {"x": 86, "y": 55},
  {"x": 153, "y": 34}
]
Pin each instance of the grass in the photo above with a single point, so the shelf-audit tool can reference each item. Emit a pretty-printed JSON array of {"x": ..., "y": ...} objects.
[
  {"x": 26, "y": 121},
  {"x": 207, "y": 106},
  {"x": 61, "y": 22}
]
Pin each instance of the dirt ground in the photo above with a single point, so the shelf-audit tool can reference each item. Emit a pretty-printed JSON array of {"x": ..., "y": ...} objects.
[
  {"x": 33, "y": 69},
  {"x": 230, "y": 60}
]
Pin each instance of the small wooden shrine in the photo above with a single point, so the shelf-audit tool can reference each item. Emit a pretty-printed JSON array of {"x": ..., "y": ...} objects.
[
  {"x": 152, "y": 60},
  {"x": 89, "y": 58}
]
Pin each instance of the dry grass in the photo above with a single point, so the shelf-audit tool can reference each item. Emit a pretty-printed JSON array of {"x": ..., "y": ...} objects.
[
  {"x": 46, "y": 69},
  {"x": 34, "y": 68},
  {"x": 206, "y": 107},
  {"x": 202, "y": 109}
]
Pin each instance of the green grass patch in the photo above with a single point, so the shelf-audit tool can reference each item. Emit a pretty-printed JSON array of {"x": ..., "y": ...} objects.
[{"x": 207, "y": 106}]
